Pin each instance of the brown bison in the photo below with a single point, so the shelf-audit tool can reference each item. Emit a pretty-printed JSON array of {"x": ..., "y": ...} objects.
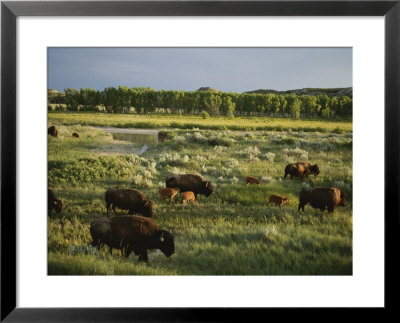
[
  {"x": 252, "y": 180},
  {"x": 131, "y": 233},
  {"x": 128, "y": 199},
  {"x": 301, "y": 170},
  {"x": 52, "y": 131},
  {"x": 168, "y": 192},
  {"x": 53, "y": 202},
  {"x": 278, "y": 200},
  {"x": 188, "y": 197},
  {"x": 75, "y": 135},
  {"x": 322, "y": 198},
  {"x": 190, "y": 182}
]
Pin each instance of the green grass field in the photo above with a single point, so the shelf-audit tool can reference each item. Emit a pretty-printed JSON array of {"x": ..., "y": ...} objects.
[
  {"x": 232, "y": 232},
  {"x": 189, "y": 122}
]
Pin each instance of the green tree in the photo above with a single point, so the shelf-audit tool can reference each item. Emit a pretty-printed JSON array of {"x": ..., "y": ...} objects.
[
  {"x": 227, "y": 106},
  {"x": 72, "y": 99},
  {"x": 212, "y": 103}
]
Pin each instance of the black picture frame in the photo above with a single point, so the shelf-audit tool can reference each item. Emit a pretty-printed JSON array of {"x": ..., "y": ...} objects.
[{"x": 10, "y": 10}]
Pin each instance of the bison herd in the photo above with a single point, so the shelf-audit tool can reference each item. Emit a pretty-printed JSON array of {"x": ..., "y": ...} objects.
[{"x": 139, "y": 233}]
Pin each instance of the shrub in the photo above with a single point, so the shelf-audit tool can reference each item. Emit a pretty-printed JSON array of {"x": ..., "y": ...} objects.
[
  {"x": 231, "y": 163},
  {"x": 93, "y": 168},
  {"x": 148, "y": 183},
  {"x": 251, "y": 151},
  {"x": 266, "y": 179},
  {"x": 72, "y": 107},
  {"x": 205, "y": 114},
  {"x": 234, "y": 180},
  {"x": 220, "y": 149},
  {"x": 296, "y": 152},
  {"x": 137, "y": 179},
  {"x": 269, "y": 156},
  {"x": 89, "y": 108}
]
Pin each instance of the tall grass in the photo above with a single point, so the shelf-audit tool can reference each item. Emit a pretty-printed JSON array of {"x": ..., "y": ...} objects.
[{"x": 189, "y": 122}]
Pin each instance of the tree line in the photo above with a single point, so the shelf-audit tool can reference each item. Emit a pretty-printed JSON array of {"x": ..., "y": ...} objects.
[{"x": 215, "y": 103}]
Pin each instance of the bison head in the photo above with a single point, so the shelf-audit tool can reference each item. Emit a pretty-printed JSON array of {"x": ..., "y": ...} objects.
[
  {"x": 342, "y": 198},
  {"x": 148, "y": 209},
  {"x": 165, "y": 242},
  {"x": 286, "y": 200},
  {"x": 314, "y": 169},
  {"x": 208, "y": 189}
]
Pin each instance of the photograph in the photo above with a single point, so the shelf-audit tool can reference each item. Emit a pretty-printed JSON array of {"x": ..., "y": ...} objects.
[{"x": 200, "y": 161}]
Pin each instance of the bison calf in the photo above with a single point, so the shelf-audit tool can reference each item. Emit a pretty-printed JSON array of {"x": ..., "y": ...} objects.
[
  {"x": 168, "y": 192},
  {"x": 322, "y": 198},
  {"x": 53, "y": 202},
  {"x": 75, "y": 135},
  {"x": 252, "y": 180},
  {"x": 131, "y": 234},
  {"x": 278, "y": 200},
  {"x": 188, "y": 197},
  {"x": 128, "y": 199}
]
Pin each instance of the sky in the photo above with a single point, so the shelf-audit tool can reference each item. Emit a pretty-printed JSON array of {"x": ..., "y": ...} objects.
[{"x": 233, "y": 69}]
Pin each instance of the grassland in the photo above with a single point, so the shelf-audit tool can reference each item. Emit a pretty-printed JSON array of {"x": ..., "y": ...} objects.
[
  {"x": 232, "y": 232},
  {"x": 189, "y": 122}
]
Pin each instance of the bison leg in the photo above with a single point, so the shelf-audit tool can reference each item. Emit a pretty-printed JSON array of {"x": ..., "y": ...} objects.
[
  {"x": 143, "y": 256},
  {"x": 108, "y": 207},
  {"x": 115, "y": 211},
  {"x": 301, "y": 206},
  {"x": 128, "y": 251}
]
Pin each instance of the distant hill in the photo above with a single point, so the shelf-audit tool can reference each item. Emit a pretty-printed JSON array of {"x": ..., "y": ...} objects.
[
  {"x": 347, "y": 91},
  {"x": 207, "y": 88}
]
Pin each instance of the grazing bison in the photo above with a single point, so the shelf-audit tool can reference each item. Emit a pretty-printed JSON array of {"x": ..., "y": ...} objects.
[
  {"x": 52, "y": 131},
  {"x": 190, "y": 182},
  {"x": 128, "y": 199},
  {"x": 278, "y": 200},
  {"x": 168, "y": 192},
  {"x": 252, "y": 180},
  {"x": 53, "y": 202},
  {"x": 301, "y": 170},
  {"x": 75, "y": 135},
  {"x": 188, "y": 197},
  {"x": 322, "y": 198},
  {"x": 131, "y": 233}
]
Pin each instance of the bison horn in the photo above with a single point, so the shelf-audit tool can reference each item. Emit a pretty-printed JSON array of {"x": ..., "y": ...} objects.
[{"x": 162, "y": 237}]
